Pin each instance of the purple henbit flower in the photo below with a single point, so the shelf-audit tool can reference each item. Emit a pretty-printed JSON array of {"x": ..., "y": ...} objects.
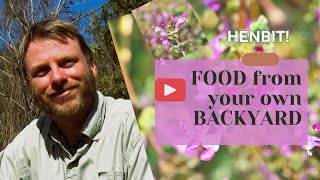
[
  {"x": 313, "y": 116},
  {"x": 156, "y": 28},
  {"x": 193, "y": 147},
  {"x": 165, "y": 15},
  {"x": 216, "y": 47},
  {"x": 170, "y": 32},
  {"x": 212, "y": 4},
  {"x": 248, "y": 22},
  {"x": 172, "y": 19},
  {"x": 259, "y": 48},
  {"x": 182, "y": 149},
  {"x": 182, "y": 19},
  {"x": 165, "y": 41},
  {"x": 215, "y": 43},
  {"x": 316, "y": 127},
  {"x": 313, "y": 141},
  {"x": 167, "y": 27},
  {"x": 159, "y": 29},
  {"x": 286, "y": 150},
  {"x": 207, "y": 154},
  {"x": 159, "y": 18},
  {"x": 153, "y": 42},
  {"x": 164, "y": 24}
]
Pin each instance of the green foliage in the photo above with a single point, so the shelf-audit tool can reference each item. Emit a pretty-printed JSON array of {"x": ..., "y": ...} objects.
[
  {"x": 113, "y": 85},
  {"x": 110, "y": 79},
  {"x": 146, "y": 118},
  {"x": 261, "y": 24},
  {"x": 220, "y": 167}
]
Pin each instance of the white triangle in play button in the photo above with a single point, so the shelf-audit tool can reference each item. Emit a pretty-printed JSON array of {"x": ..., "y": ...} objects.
[{"x": 168, "y": 90}]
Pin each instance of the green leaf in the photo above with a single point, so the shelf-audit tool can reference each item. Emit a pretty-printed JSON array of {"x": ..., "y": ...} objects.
[
  {"x": 221, "y": 166},
  {"x": 261, "y": 24},
  {"x": 146, "y": 118}
]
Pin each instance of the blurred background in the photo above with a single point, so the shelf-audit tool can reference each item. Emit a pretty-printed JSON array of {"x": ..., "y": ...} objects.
[
  {"x": 208, "y": 20},
  {"x": 16, "y": 106},
  {"x": 137, "y": 50}
]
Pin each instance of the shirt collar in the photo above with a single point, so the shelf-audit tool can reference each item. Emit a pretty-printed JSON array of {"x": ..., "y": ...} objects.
[{"x": 93, "y": 123}]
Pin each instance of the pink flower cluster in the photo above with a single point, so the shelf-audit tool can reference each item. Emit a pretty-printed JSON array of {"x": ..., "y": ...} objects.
[
  {"x": 167, "y": 30},
  {"x": 207, "y": 154},
  {"x": 313, "y": 141},
  {"x": 212, "y": 4}
]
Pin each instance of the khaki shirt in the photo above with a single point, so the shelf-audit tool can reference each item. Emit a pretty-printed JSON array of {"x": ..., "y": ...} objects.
[{"x": 110, "y": 147}]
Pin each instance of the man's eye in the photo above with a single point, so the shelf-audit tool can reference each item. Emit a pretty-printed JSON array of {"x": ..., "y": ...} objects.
[
  {"x": 42, "y": 72},
  {"x": 68, "y": 63}
]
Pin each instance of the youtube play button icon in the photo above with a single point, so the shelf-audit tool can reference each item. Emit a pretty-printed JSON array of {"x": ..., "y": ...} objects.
[{"x": 170, "y": 89}]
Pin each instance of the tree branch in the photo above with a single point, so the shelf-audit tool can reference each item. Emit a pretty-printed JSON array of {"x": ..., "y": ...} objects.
[
  {"x": 5, "y": 59},
  {"x": 32, "y": 12},
  {"x": 15, "y": 15},
  {"x": 59, "y": 7},
  {"x": 10, "y": 75},
  {"x": 15, "y": 102},
  {"x": 9, "y": 35},
  {"x": 7, "y": 43},
  {"x": 88, "y": 13}
]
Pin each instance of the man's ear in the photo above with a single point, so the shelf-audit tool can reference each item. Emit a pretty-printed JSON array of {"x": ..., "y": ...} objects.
[{"x": 93, "y": 68}]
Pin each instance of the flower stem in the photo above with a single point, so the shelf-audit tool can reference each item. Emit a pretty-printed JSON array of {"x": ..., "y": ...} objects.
[{"x": 182, "y": 51}]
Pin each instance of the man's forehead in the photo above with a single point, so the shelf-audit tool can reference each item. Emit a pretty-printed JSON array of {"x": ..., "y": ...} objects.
[
  {"x": 48, "y": 46},
  {"x": 45, "y": 49},
  {"x": 53, "y": 41}
]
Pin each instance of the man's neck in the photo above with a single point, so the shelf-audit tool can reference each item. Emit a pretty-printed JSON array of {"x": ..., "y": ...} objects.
[{"x": 71, "y": 126}]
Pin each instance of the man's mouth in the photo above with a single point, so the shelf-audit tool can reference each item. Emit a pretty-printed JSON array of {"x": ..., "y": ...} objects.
[{"x": 64, "y": 93}]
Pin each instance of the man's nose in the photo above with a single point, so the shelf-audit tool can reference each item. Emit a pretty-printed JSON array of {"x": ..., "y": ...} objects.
[{"x": 58, "y": 77}]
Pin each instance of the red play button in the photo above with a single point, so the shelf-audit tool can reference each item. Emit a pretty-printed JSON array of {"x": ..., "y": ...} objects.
[{"x": 170, "y": 89}]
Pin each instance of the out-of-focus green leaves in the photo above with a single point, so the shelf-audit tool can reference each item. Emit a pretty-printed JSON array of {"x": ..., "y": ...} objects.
[
  {"x": 261, "y": 24},
  {"x": 220, "y": 167},
  {"x": 146, "y": 119}
]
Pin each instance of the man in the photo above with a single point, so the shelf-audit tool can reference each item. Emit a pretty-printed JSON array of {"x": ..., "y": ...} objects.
[{"x": 82, "y": 134}]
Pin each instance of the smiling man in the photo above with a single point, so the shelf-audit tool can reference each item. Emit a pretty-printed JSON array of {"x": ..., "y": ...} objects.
[{"x": 82, "y": 134}]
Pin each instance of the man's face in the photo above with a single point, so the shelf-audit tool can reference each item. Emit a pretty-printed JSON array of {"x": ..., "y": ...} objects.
[{"x": 61, "y": 80}]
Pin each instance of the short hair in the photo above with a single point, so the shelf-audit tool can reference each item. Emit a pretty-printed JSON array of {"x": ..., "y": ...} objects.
[{"x": 51, "y": 29}]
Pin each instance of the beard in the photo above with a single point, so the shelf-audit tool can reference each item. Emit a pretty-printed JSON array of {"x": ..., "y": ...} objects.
[{"x": 75, "y": 103}]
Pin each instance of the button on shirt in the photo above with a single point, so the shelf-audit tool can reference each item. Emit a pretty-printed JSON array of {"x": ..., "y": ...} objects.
[{"x": 109, "y": 147}]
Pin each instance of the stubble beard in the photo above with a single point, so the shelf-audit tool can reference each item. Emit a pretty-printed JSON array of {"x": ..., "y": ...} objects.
[{"x": 74, "y": 104}]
